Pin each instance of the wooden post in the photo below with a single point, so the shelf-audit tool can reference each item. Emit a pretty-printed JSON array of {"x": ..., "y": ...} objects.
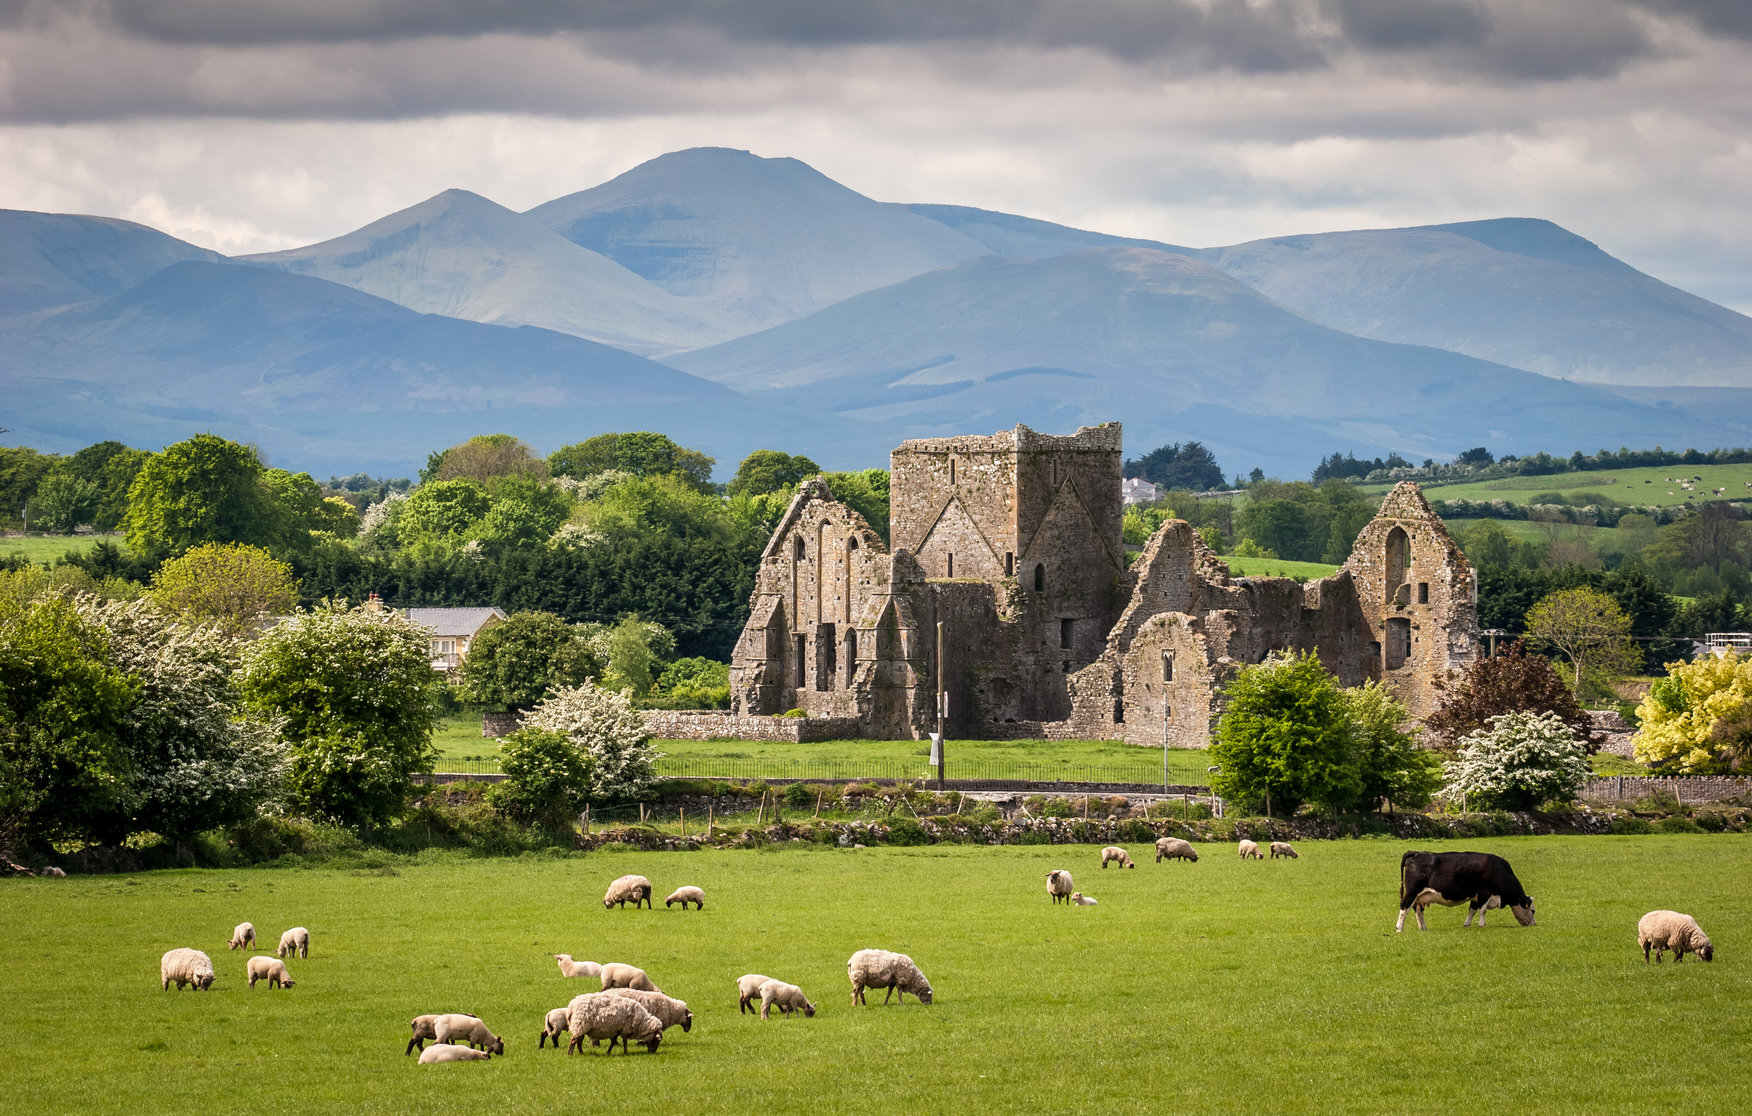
[
  {"x": 587, "y": 819},
  {"x": 683, "y": 810},
  {"x": 760, "y": 814},
  {"x": 942, "y": 710},
  {"x": 819, "y": 795},
  {"x": 641, "y": 813},
  {"x": 709, "y": 819}
]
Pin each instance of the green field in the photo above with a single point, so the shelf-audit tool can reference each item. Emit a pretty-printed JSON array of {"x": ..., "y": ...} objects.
[
  {"x": 47, "y": 548},
  {"x": 1216, "y": 987},
  {"x": 1625, "y": 486},
  {"x": 1277, "y": 567}
]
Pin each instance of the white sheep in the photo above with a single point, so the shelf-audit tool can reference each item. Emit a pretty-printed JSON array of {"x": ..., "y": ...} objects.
[
  {"x": 748, "y": 988},
  {"x": 53, "y": 873},
  {"x": 425, "y": 1028},
  {"x": 1082, "y": 900},
  {"x": 1249, "y": 850},
  {"x": 1058, "y": 885},
  {"x": 296, "y": 940},
  {"x": 628, "y": 889},
  {"x": 243, "y": 936},
  {"x": 599, "y": 1015},
  {"x": 1664, "y": 930},
  {"x": 1283, "y": 849},
  {"x": 789, "y": 997},
  {"x": 557, "y": 1020},
  {"x": 1173, "y": 848},
  {"x": 670, "y": 1011},
  {"x": 571, "y": 968},
  {"x": 878, "y": 968},
  {"x": 186, "y": 966},
  {"x": 445, "y": 1052},
  {"x": 1117, "y": 855},
  {"x": 270, "y": 969},
  {"x": 616, "y": 975},
  {"x": 468, "y": 1029},
  {"x": 686, "y": 895}
]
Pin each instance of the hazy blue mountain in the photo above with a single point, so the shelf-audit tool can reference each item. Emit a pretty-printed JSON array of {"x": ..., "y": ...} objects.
[
  {"x": 1175, "y": 349},
  {"x": 1517, "y": 291},
  {"x": 463, "y": 256},
  {"x": 1027, "y": 238},
  {"x": 763, "y": 240},
  {"x": 55, "y": 259},
  {"x": 331, "y": 378}
]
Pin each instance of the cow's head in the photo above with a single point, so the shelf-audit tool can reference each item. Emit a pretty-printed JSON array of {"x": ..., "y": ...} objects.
[{"x": 1523, "y": 913}]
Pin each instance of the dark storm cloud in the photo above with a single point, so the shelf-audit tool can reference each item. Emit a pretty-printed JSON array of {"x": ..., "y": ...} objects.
[
  {"x": 1398, "y": 25},
  {"x": 1722, "y": 17}
]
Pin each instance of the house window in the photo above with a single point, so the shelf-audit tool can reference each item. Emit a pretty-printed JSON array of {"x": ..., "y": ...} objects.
[
  {"x": 1040, "y": 578},
  {"x": 1423, "y": 592}
]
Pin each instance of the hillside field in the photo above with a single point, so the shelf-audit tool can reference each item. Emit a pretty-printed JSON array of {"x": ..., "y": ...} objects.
[
  {"x": 1218, "y": 986},
  {"x": 1625, "y": 486},
  {"x": 47, "y": 548}
]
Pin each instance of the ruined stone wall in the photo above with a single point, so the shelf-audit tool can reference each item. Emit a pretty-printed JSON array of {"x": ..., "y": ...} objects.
[{"x": 720, "y": 724}]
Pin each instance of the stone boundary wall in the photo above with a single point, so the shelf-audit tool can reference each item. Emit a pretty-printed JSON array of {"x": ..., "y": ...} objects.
[
  {"x": 1042, "y": 730},
  {"x": 1686, "y": 788},
  {"x": 721, "y": 724}
]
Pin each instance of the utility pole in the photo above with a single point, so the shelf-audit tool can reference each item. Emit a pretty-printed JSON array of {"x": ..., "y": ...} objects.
[
  {"x": 1167, "y": 711},
  {"x": 942, "y": 709}
]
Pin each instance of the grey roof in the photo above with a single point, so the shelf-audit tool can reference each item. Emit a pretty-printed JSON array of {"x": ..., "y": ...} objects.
[{"x": 455, "y": 621}]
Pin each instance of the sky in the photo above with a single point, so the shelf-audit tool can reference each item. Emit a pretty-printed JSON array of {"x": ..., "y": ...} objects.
[{"x": 256, "y": 125}]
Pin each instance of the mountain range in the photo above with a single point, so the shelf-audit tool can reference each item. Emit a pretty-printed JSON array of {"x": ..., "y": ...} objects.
[{"x": 737, "y": 302}]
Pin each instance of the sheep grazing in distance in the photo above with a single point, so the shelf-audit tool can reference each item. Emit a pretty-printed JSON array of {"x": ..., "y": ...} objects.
[
  {"x": 1283, "y": 849},
  {"x": 186, "y": 967},
  {"x": 789, "y": 997},
  {"x": 636, "y": 890},
  {"x": 748, "y": 988},
  {"x": 270, "y": 969},
  {"x": 616, "y": 975},
  {"x": 571, "y": 968},
  {"x": 445, "y": 1052},
  {"x": 243, "y": 936},
  {"x": 467, "y": 1029},
  {"x": 668, "y": 1010},
  {"x": 1173, "y": 848},
  {"x": 1117, "y": 855},
  {"x": 1058, "y": 885},
  {"x": 686, "y": 895},
  {"x": 295, "y": 940},
  {"x": 601, "y": 1015},
  {"x": 557, "y": 1020},
  {"x": 878, "y": 968},
  {"x": 1249, "y": 850},
  {"x": 1664, "y": 930},
  {"x": 425, "y": 1028},
  {"x": 1082, "y": 900}
]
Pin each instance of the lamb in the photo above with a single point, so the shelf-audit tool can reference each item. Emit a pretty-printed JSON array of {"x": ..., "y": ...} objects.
[
  {"x": 789, "y": 997},
  {"x": 469, "y": 1029},
  {"x": 616, "y": 975},
  {"x": 186, "y": 966},
  {"x": 1173, "y": 848},
  {"x": 748, "y": 988},
  {"x": 557, "y": 1020},
  {"x": 686, "y": 895},
  {"x": 668, "y": 1010},
  {"x": 1082, "y": 900},
  {"x": 878, "y": 968},
  {"x": 571, "y": 968},
  {"x": 445, "y": 1052},
  {"x": 1117, "y": 855},
  {"x": 270, "y": 969},
  {"x": 1249, "y": 850},
  {"x": 1664, "y": 930},
  {"x": 243, "y": 936},
  {"x": 1058, "y": 884},
  {"x": 599, "y": 1015},
  {"x": 425, "y": 1029},
  {"x": 1283, "y": 849},
  {"x": 628, "y": 889},
  {"x": 296, "y": 939}
]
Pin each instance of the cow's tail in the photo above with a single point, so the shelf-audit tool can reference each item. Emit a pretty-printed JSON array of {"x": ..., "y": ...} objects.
[{"x": 1404, "y": 871}]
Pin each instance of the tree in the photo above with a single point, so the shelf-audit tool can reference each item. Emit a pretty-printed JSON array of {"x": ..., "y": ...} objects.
[
  {"x": 231, "y": 586},
  {"x": 1511, "y": 681},
  {"x": 1698, "y": 719},
  {"x": 691, "y": 683},
  {"x": 524, "y": 510},
  {"x": 632, "y": 651},
  {"x": 1191, "y": 466},
  {"x": 1286, "y": 736},
  {"x": 353, "y": 693},
  {"x": 604, "y": 724},
  {"x": 65, "y": 502},
  {"x": 523, "y": 658},
  {"x": 1391, "y": 765},
  {"x": 442, "y": 511},
  {"x": 769, "y": 471},
  {"x": 1477, "y": 456},
  {"x": 643, "y": 453},
  {"x": 865, "y": 492},
  {"x": 1712, "y": 612},
  {"x": 486, "y": 458},
  {"x": 1588, "y": 627},
  {"x": 548, "y": 777},
  {"x": 1281, "y": 526},
  {"x": 1520, "y": 761},
  {"x": 205, "y": 489}
]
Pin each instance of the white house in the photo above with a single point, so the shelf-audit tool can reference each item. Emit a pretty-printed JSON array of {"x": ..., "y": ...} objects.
[
  {"x": 1137, "y": 490},
  {"x": 453, "y": 629}
]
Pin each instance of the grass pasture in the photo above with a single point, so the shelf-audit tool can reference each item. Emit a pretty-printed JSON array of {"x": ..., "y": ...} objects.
[
  {"x": 1221, "y": 986},
  {"x": 47, "y": 548},
  {"x": 1626, "y": 486},
  {"x": 1277, "y": 567}
]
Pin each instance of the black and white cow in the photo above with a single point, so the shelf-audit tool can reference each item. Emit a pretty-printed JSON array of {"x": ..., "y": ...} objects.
[{"x": 1481, "y": 880}]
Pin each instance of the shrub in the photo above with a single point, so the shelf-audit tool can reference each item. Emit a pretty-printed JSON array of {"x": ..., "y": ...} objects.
[
  {"x": 801, "y": 795},
  {"x": 905, "y": 831},
  {"x": 1522, "y": 760},
  {"x": 1287, "y": 737},
  {"x": 548, "y": 778},
  {"x": 603, "y": 724},
  {"x": 1699, "y": 717}
]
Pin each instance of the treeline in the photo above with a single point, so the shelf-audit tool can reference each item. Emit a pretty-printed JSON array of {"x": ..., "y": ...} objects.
[{"x": 1479, "y": 464}]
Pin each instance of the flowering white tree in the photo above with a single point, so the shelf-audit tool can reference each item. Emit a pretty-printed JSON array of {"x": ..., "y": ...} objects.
[
  {"x": 1521, "y": 760},
  {"x": 603, "y": 724}
]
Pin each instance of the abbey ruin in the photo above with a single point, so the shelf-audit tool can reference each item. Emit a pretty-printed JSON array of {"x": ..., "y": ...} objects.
[{"x": 1011, "y": 546}]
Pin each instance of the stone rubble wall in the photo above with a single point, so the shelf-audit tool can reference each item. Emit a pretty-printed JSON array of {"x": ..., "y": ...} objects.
[
  {"x": 1684, "y": 788},
  {"x": 713, "y": 724}
]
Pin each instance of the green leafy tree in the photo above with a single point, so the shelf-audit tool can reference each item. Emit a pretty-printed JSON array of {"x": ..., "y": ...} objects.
[
  {"x": 515, "y": 663},
  {"x": 1511, "y": 681},
  {"x": 604, "y": 725},
  {"x": 770, "y": 471},
  {"x": 633, "y": 652},
  {"x": 65, "y": 502},
  {"x": 865, "y": 492},
  {"x": 233, "y": 587},
  {"x": 354, "y": 695},
  {"x": 22, "y": 470},
  {"x": 1391, "y": 765},
  {"x": 489, "y": 458},
  {"x": 1587, "y": 627},
  {"x": 442, "y": 511},
  {"x": 643, "y": 453},
  {"x": 1286, "y": 736},
  {"x": 205, "y": 489},
  {"x": 1698, "y": 719},
  {"x": 548, "y": 777},
  {"x": 691, "y": 683},
  {"x": 523, "y": 511},
  {"x": 1519, "y": 762},
  {"x": 1190, "y": 466},
  {"x": 1279, "y": 525}
]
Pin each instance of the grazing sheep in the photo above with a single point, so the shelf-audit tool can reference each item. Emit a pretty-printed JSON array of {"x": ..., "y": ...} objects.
[
  {"x": 789, "y": 997},
  {"x": 1173, "y": 848},
  {"x": 668, "y": 1010},
  {"x": 1664, "y": 930},
  {"x": 1082, "y": 900},
  {"x": 186, "y": 966},
  {"x": 557, "y": 1020},
  {"x": 243, "y": 936},
  {"x": 1283, "y": 849},
  {"x": 748, "y": 988},
  {"x": 296, "y": 940},
  {"x": 53, "y": 873},
  {"x": 1249, "y": 850},
  {"x": 616, "y": 975},
  {"x": 1058, "y": 885},
  {"x": 571, "y": 968},
  {"x": 878, "y": 968},
  {"x": 628, "y": 889},
  {"x": 686, "y": 895},
  {"x": 469, "y": 1029},
  {"x": 599, "y": 1015},
  {"x": 1117, "y": 855},
  {"x": 270, "y": 969},
  {"x": 445, "y": 1052},
  {"x": 425, "y": 1028}
]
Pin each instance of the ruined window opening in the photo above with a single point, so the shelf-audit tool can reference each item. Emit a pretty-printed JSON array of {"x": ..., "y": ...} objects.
[
  {"x": 1398, "y": 642},
  {"x": 801, "y": 645},
  {"x": 797, "y": 549},
  {"x": 1009, "y": 564},
  {"x": 951, "y": 563},
  {"x": 829, "y": 648},
  {"x": 851, "y": 657},
  {"x": 1067, "y": 666},
  {"x": 1119, "y": 711},
  {"x": 852, "y": 544},
  {"x": 1065, "y": 628},
  {"x": 1167, "y": 712},
  {"x": 1423, "y": 592},
  {"x": 1398, "y": 558},
  {"x": 1168, "y": 667},
  {"x": 1040, "y": 578},
  {"x": 951, "y": 470}
]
